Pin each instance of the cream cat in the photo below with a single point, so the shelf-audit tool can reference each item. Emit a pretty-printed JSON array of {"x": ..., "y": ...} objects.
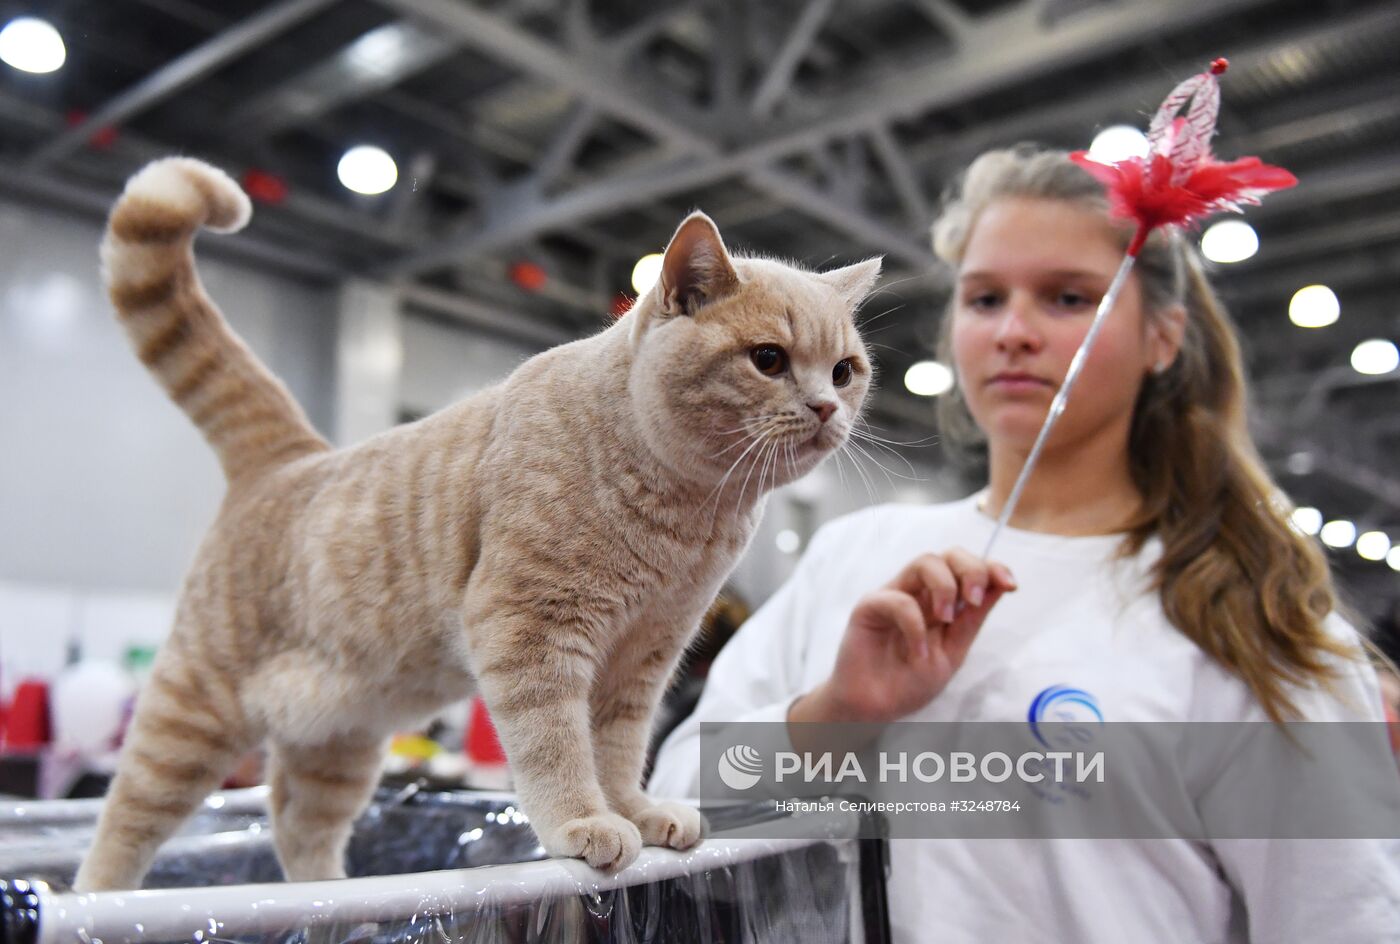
[{"x": 551, "y": 542}]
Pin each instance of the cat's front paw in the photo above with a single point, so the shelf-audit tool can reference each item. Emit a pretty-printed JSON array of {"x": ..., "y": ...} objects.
[
  {"x": 607, "y": 842},
  {"x": 673, "y": 825}
]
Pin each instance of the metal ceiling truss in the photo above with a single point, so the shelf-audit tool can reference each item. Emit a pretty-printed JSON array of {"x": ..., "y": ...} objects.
[
  {"x": 225, "y": 47},
  {"x": 977, "y": 63},
  {"x": 690, "y": 152},
  {"x": 854, "y": 162}
]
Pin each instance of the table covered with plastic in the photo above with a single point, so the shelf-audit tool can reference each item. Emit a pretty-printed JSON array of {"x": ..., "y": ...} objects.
[{"x": 441, "y": 868}]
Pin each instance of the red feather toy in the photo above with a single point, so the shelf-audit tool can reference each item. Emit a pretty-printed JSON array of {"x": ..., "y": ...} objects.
[{"x": 1178, "y": 183}]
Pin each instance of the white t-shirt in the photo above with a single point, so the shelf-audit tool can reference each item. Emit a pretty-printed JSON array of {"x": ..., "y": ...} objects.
[{"x": 1075, "y": 620}]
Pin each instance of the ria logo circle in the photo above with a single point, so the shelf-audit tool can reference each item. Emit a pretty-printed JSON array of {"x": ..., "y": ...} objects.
[
  {"x": 740, "y": 767},
  {"x": 1074, "y": 709}
]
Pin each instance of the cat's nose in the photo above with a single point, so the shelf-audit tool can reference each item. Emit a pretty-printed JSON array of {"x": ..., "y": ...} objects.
[{"x": 823, "y": 409}]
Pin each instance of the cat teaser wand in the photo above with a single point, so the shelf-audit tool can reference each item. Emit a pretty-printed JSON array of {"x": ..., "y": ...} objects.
[{"x": 1178, "y": 183}]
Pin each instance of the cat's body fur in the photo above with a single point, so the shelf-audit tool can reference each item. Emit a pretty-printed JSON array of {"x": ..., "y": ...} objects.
[{"x": 550, "y": 542}]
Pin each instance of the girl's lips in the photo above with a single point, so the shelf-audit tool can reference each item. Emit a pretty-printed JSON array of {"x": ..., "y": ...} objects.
[{"x": 1012, "y": 383}]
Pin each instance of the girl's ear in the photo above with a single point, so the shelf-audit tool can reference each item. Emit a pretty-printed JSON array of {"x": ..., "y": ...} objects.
[{"x": 1166, "y": 331}]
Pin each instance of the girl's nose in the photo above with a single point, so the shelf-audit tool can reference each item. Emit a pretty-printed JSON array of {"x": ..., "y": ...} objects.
[{"x": 1017, "y": 331}]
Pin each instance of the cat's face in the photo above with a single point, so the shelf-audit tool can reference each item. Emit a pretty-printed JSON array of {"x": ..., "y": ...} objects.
[{"x": 747, "y": 367}]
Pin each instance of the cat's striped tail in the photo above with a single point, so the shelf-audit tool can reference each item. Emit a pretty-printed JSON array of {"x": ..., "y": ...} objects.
[{"x": 244, "y": 412}]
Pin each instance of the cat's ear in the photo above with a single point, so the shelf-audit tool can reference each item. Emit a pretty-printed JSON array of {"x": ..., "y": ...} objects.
[
  {"x": 696, "y": 268},
  {"x": 854, "y": 282}
]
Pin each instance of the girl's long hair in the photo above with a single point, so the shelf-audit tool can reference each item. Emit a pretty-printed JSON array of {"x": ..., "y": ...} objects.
[{"x": 1233, "y": 575}]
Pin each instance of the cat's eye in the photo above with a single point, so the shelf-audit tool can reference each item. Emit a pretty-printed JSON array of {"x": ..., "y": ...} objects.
[
  {"x": 769, "y": 359},
  {"x": 841, "y": 373}
]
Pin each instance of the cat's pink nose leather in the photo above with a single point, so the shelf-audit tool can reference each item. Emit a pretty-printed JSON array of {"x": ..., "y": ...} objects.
[{"x": 824, "y": 409}]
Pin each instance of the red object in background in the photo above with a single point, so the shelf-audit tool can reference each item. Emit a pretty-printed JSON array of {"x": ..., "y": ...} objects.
[
  {"x": 102, "y": 139},
  {"x": 528, "y": 275},
  {"x": 264, "y": 186},
  {"x": 482, "y": 746},
  {"x": 622, "y": 304},
  {"x": 27, "y": 721}
]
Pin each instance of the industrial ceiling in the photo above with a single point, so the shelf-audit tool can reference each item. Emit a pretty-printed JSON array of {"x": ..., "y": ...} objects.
[{"x": 572, "y": 136}]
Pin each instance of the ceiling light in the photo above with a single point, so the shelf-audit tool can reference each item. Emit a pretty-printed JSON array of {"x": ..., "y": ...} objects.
[
  {"x": 1338, "y": 533},
  {"x": 788, "y": 541},
  {"x": 1373, "y": 545},
  {"x": 383, "y": 51},
  {"x": 1375, "y": 357},
  {"x": 32, "y": 45},
  {"x": 1306, "y": 520},
  {"x": 928, "y": 379},
  {"x": 1314, "y": 306},
  {"x": 1118, "y": 143},
  {"x": 1392, "y": 559},
  {"x": 368, "y": 170},
  {"x": 646, "y": 272},
  {"x": 1229, "y": 241}
]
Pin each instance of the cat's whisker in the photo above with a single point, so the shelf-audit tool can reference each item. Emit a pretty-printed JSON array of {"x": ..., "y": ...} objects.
[
  {"x": 768, "y": 460},
  {"x": 866, "y": 334},
  {"x": 869, "y": 486},
  {"x": 901, "y": 443},
  {"x": 748, "y": 424},
  {"x": 865, "y": 321},
  {"x": 768, "y": 457},
  {"x": 882, "y": 443},
  {"x": 914, "y": 472},
  {"x": 779, "y": 456},
  {"x": 840, "y": 471},
  {"x": 889, "y": 287},
  {"x": 745, "y": 487},
  {"x": 890, "y": 475},
  {"x": 719, "y": 489},
  {"x": 733, "y": 446},
  {"x": 749, "y": 430},
  {"x": 734, "y": 465},
  {"x": 870, "y": 482},
  {"x": 753, "y": 464},
  {"x": 869, "y": 426}
]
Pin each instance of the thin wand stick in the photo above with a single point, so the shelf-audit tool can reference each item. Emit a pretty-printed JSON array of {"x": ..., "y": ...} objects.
[{"x": 1057, "y": 406}]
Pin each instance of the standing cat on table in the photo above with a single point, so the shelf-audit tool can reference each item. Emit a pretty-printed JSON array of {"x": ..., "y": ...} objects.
[{"x": 550, "y": 542}]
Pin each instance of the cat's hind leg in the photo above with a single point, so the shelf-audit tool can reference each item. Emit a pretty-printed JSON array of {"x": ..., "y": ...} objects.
[
  {"x": 318, "y": 790},
  {"x": 185, "y": 735}
]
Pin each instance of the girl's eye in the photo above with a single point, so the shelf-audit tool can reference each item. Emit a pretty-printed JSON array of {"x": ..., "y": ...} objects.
[
  {"x": 983, "y": 301},
  {"x": 1074, "y": 300},
  {"x": 770, "y": 359},
  {"x": 841, "y": 373}
]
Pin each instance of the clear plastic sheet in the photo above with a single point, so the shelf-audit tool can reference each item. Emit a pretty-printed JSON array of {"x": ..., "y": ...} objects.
[{"x": 444, "y": 868}]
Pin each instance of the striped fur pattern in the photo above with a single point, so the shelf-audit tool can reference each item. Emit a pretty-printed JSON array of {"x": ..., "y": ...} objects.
[{"x": 550, "y": 542}]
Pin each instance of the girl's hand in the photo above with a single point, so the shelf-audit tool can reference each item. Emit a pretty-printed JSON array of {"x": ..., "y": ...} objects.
[{"x": 906, "y": 639}]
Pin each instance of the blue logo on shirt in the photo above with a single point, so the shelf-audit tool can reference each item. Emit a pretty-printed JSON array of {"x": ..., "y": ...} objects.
[{"x": 1060, "y": 703}]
